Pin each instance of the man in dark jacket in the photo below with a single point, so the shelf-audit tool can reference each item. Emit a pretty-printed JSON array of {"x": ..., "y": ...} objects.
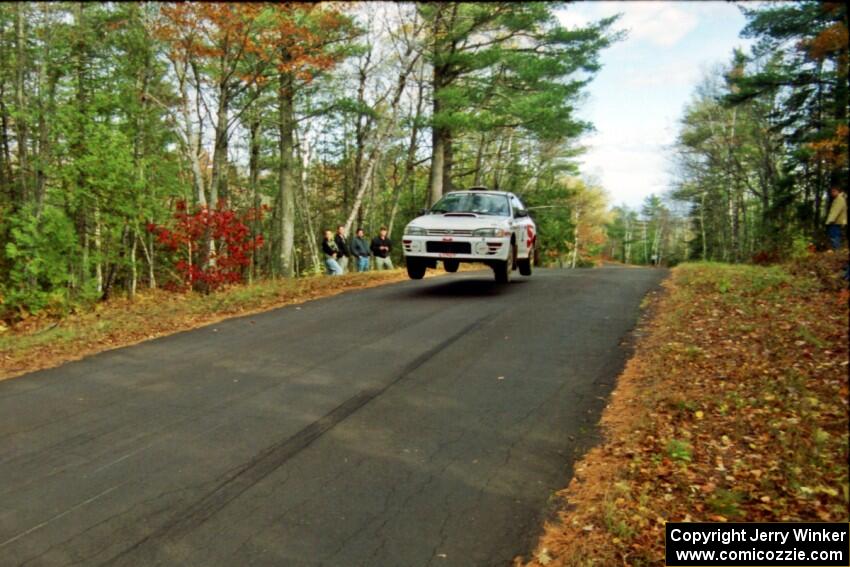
[
  {"x": 360, "y": 250},
  {"x": 342, "y": 245},
  {"x": 381, "y": 247}
]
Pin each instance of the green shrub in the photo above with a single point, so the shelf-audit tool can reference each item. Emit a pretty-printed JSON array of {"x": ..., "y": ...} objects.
[{"x": 39, "y": 256}]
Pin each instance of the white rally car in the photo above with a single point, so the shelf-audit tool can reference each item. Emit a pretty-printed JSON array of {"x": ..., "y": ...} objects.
[{"x": 492, "y": 227}]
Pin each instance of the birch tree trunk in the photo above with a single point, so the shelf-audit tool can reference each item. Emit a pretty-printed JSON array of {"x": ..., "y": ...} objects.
[
  {"x": 98, "y": 249},
  {"x": 218, "y": 181},
  {"x": 131, "y": 290},
  {"x": 191, "y": 139},
  {"x": 21, "y": 124},
  {"x": 381, "y": 132},
  {"x": 702, "y": 225},
  {"x": 575, "y": 240},
  {"x": 435, "y": 181},
  {"x": 149, "y": 258},
  {"x": 253, "y": 180},
  {"x": 286, "y": 199},
  {"x": 306, "y": 155},
  {"x": 409, "y": 163}
]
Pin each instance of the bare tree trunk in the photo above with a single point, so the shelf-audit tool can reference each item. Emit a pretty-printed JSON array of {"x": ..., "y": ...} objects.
[
  {"x": 133, "y": 273},
  {"x": 253, "y": 180},
  {"x": 575, "y": 240},
  {"x": 286, "y": 124},
  {"x": 218, "y": 181},
  {"x": 497, "y": 168},
  {"x": 306, "y": 156},
  {"x": 702, "y": 225},
  {"x": 479, "y": 160},
  {"x": 380, "y": 134},
  {"x": 6, "y": 179},
  {"x": 21, "y": 124},
  {"x": 46, "y": 89},
  {"x": 438, "y": 148},
  {"x": 410, "y": 160},
  {"x": 191, "y": 140},
  {"x": 362, "y": 128},
  {"x": 150, "y": 260},
  {"x": 656, "y": 243},
  {"x": 448, "y": 161},
  {"x": 437, "y": 160},
  {"x": 98, "y": 248},
  {"x": 364, "y": 184}
]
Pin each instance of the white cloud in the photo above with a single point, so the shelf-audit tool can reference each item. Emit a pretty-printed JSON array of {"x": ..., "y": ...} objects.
[
  {"x": 572, "y": 18},
  {"x": 678, "y": 73},
  {"x": 630, "y": 164},
  {"x": 628, "y": 175},
  {"x": 636, "y": 100},
  {"x": 659, "y": 23}
]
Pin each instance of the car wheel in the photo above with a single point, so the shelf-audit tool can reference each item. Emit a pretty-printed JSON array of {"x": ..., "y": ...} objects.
[
  {"x": 451, "y": 266},
  {"x": 415, "y": 269},
  {"x": 502, "y": 270},
  {"x": 525, "y": 265}
]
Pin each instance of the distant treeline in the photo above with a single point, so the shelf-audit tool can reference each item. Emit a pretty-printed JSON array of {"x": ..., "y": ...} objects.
[{"x": 765, "y": 138}]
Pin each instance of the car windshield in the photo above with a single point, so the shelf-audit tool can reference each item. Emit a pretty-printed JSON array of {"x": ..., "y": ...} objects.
[{"x": 481, "y": 204}]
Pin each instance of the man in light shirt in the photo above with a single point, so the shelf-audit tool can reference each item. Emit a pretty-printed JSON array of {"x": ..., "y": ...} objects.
[{"x": 836, "y": 220}]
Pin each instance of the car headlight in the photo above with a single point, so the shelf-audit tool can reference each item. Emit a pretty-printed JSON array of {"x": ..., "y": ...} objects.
[
  {"x": 490, "y": 232},
  {"x": 414, "y": 231}
]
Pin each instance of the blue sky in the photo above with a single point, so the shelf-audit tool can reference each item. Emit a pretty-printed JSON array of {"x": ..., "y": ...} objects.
[{"x": 637, "y": 98}]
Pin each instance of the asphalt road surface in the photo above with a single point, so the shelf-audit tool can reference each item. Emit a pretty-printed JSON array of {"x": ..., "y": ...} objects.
[{"x": 420, "y": 423}]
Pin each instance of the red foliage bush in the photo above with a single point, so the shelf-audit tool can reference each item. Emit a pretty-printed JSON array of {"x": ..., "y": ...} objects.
[{"x": 199, "y": 265}]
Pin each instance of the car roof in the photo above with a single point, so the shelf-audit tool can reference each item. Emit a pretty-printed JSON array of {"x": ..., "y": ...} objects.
[{"x": 481, "y": 192}]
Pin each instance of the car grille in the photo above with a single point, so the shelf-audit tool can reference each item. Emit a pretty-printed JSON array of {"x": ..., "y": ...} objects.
[
  {"x": 449, "y": 247},
  {"x": 442, "y": 232}
]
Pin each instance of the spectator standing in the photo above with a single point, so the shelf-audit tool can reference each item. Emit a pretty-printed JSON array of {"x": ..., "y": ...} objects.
[
  {"x": 331, "y": 251},
  {"x": 342, "y": 246},
  {"x": 836, "y": 220},
  {"x": 360, "y": 251},
  {"x": 381, "y": 248}
]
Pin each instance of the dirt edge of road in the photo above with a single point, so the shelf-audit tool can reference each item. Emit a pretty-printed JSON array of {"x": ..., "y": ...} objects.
[{"x": 732, "y": 366}]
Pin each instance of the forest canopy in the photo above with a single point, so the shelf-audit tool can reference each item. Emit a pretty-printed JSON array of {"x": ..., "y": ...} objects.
[{"x": 192, "y": 145}]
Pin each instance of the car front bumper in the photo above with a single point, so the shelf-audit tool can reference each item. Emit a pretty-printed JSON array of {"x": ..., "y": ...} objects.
[{"x": 460, "y": 248}]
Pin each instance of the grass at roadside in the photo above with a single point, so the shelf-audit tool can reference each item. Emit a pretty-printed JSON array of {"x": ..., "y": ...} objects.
[
  {"x": 734, "y": 408},
  {"x": 42, "y": 343}
]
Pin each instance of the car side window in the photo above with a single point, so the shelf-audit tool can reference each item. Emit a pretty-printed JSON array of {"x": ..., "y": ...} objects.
[{"x": 516, "y": 204}]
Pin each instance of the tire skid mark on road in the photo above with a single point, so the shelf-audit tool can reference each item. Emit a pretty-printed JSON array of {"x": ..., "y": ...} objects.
[{"x": 275, "y": 456}]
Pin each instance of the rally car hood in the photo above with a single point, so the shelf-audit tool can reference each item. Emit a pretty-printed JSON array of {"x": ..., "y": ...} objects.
[{"x": 459, "y": 221}]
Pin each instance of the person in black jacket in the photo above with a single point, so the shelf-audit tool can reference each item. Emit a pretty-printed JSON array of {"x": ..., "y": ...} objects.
[
  {"x": 360, "y": 250},
  {"x": 381, "y": 247},
  {"x": 331, "y": 253},
  {"x": 342, "y": 246}
]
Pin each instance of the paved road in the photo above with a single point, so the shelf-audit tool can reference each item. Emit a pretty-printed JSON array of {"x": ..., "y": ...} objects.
[{"x": 421, "y": 423}]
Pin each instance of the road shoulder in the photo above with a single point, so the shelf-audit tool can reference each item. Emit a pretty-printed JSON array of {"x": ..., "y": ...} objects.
[{"x": 734, "y": 407}]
